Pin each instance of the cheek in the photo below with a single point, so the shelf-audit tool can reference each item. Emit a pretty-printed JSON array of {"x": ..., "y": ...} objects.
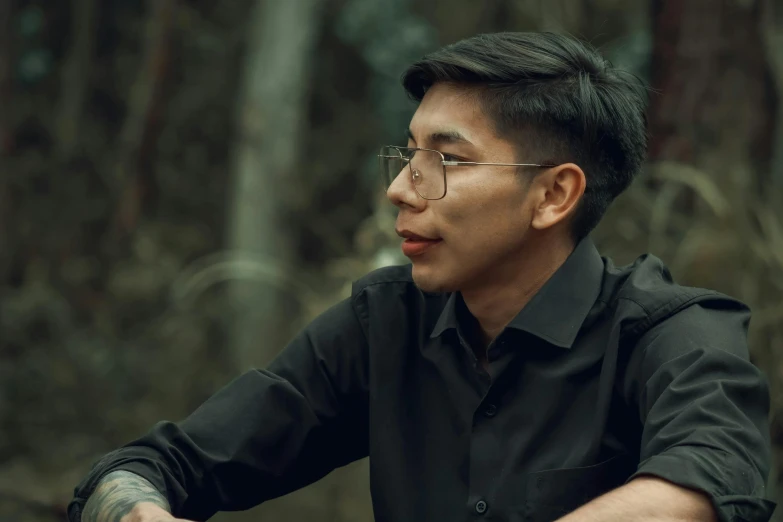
[{"x": 483, "y": 216}]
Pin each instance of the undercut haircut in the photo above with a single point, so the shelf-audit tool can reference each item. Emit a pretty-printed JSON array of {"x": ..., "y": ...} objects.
[{"x": 559, "y": 99}]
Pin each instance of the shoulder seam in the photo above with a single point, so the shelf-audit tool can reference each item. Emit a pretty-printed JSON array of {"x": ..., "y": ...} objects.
[
  {"x": 637, "y": 303},
  {"x": 653, "y": 317},
  {"x": 689, "y": 297}
]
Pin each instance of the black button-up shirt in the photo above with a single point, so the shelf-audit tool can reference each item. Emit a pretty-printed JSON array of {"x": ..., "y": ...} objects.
[{"x": 608, "y": 373}]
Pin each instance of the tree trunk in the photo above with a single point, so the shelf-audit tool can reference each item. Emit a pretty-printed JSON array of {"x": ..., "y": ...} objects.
[
  {"x": 75, "y": 82},
  {"x": 279, "y": 55},
  {"x": 134, "y": 171}
]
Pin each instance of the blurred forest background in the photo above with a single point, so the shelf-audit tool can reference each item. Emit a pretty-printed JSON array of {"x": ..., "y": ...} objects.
[{"x": 186, "y": 183}]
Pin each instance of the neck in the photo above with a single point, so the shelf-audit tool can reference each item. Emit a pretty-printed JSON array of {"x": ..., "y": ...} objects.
[{"x": 496, "y": 300}]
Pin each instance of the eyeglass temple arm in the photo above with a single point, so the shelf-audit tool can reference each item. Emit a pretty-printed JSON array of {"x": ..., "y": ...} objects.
[{"x": 458, "y": 163}]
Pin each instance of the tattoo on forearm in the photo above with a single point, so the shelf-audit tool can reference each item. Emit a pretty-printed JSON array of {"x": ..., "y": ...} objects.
[{"x": 116, "y": 495}]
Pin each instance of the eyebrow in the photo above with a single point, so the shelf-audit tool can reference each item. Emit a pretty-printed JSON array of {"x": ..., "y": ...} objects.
[{"x": 442, "y": 137}]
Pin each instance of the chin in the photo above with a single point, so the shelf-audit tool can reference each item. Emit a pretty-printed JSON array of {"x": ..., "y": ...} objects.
[{"x": 430, "y": 279}]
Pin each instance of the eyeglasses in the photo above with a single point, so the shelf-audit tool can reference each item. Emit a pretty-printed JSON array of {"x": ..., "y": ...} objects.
[{"x": 427, "y": 168}]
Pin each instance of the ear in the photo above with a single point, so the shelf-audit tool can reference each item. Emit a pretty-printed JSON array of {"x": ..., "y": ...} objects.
[{"x": 559, "y": 191}]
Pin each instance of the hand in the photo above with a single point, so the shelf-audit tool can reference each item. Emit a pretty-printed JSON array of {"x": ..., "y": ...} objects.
[{"x": 150, "y": 512}]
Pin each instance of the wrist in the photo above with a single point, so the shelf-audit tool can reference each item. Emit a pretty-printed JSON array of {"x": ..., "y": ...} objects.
[{"x": 146, "y": 512}]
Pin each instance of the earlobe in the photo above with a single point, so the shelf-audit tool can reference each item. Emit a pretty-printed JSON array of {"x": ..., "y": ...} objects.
[{"x": 563, "y": 188}]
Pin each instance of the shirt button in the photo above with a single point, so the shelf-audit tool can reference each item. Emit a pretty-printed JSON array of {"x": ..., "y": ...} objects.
[
  {"x": 481, "y": 507},
  {"x": 490, "y": 410}
]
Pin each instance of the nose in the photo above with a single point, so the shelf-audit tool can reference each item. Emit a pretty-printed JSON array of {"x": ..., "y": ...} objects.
[{"x": 402, "y": 194}]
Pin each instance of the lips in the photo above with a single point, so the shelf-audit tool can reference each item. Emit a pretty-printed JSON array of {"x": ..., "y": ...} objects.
[
  {"x": 407, "y": 234},
  {"x": 415, "y": 244},
  {"x": 415, "y": 247}
]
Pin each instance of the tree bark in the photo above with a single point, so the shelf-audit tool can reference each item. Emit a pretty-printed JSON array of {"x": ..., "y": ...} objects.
[{"x": 282, "y": 40}]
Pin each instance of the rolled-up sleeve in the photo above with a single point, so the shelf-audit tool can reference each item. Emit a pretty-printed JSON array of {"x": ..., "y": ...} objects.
[
  {"x": 263, "y": 435},
  {"x": 704, "y": 408}
]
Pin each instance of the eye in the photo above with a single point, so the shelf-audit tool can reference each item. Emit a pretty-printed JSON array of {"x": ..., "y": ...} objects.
[{"x": 449, "y": 157}]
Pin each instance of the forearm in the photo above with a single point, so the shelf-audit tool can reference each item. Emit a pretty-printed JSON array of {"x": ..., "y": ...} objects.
[
  {"x": 117, "y": 494},
  {"x": 647, "y": 499}
]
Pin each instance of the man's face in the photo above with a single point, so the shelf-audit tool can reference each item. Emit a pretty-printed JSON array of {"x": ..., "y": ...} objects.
[{"x": 483, "y": 222}]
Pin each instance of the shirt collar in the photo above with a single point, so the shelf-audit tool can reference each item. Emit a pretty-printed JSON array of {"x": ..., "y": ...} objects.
[{"x": 557, "y": 311}]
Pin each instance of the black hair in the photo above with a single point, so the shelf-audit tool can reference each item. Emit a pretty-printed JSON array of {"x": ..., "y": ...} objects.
[{"x": 560, "y": 98}]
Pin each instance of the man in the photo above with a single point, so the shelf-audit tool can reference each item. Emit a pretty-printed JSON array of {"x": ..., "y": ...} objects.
[{"x": 509, "y": 372}]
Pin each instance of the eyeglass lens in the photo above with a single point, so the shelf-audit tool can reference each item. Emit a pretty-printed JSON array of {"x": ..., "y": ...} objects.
[{"x": 423, "y": 167}]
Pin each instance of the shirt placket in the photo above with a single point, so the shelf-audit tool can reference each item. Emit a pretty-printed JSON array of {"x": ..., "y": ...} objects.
[{"x": 486, "y": 457}]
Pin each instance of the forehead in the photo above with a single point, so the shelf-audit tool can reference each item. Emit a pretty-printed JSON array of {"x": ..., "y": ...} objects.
[{"x": 451, "y": 107}]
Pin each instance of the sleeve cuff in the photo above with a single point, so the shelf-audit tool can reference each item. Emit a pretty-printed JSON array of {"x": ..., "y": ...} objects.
[
  {"x": 102, "y": 468},
  {"x": 735, "y": 490}
]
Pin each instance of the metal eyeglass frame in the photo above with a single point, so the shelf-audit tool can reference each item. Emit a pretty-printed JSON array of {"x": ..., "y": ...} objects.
[{"x": 445, "y": 164}]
